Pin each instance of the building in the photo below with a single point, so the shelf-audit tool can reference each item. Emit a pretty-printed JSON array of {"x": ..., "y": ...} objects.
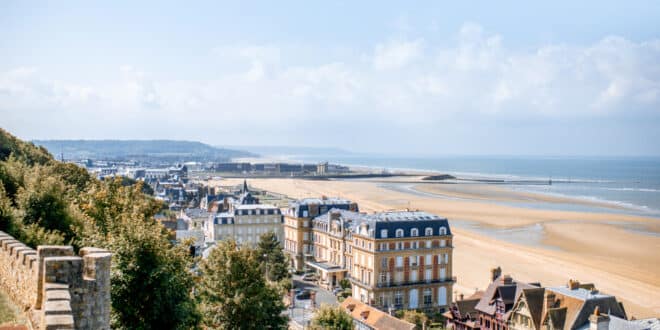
[
  {"x": 298, "y": 225},
  {"x": 366, "y": 317},
  {"x": 496, "y": 304},
  {"x": 570, "y": 306},
  {"x": 245, "y": 223},
  {"x": 462, "y": 314},
  {"x": 574, "y": 306},
  {"x": 394, "y": 260}
]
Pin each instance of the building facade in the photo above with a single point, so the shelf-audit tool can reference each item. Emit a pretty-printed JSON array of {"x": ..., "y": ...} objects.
[
  {"x": 394, "y": 260},
  {"x": 245, "y": 223},
  {"x": 298, "y": 226}
]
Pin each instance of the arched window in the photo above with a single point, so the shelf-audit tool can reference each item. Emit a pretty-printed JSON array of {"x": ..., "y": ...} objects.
[
  {"x": 414, "y": 232},
  {"x": 443, "y": 231},
  {"x": 428, "y": 231},
  {"x": 399, "y": 233},
  {"x": 383, "y": 233}
]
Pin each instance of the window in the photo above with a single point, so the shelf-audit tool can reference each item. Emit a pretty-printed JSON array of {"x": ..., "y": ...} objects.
[
  {"x": 446, "y": 258},
  {"x": 414, "y": 245},
  {"x": 443, "y": 243},
  {"x": 428, "y": 244},
  {"x": 413, "y": 277},
  {"x": 443, "y": 231},
  {"x": 427, "y": 260},
  {"x": 443, "y": 274},
  {"x": 399, "y": 261},
  {"x": 383, "y": 278},
  {"x": 398, "y": 298},
  {"x": 383, "y": 263},
  {"x": 428, "y": 231},
  {"x": 414, "y": 232},
  {"x": 399, "y": 245},
  {"x": 383, "y": 233},
  {"x": 427, "y": 275},
  {"x": 399, "y": 233},
  {"x": 398, "y": 277},
  {"x": 428, "y": 297},
  {"x": 414, "y": 260}
]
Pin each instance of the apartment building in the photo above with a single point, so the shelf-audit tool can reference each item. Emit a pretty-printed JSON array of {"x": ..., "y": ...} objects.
[
  {"x": 395, "y": 260},
  {"x": 298, "y": 225}
]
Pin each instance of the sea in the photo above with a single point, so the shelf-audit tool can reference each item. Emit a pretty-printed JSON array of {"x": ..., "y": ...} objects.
[{"x": 629, "y": 182}]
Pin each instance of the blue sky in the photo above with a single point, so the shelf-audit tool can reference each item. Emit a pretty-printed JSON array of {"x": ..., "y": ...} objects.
[{"x": 512, "y": 78}]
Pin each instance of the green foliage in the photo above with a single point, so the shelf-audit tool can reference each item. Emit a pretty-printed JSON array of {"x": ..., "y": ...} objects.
[
  {"x": 151, "y": 284},
  {"x": 415, "y": 317},
  {"x": 345, "y": 283},
  {"x": 233, "y": 293},
  {"x": 329, "y": 317},
  {"x": 7, "y": 222},
  {"x": 43, "y": 201},
  {"x": 271, "y": 257},
  {"x": 25, "y": 152},
  {"x": 145, "y": 188}
]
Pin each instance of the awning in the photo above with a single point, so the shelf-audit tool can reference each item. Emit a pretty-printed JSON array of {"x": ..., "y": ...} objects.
[{"x": 325, "y": 267}]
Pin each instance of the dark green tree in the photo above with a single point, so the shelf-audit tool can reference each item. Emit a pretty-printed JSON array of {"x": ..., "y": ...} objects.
[
  {"x": 329, "y": 317},
  {"x": 233, "y": 293},
  {"x": 271, "y": 256},
  {"x": 151, "y": 279}
]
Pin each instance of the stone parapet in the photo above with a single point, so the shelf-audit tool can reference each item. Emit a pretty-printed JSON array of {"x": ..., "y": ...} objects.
[{"x": 62, "y": 290}]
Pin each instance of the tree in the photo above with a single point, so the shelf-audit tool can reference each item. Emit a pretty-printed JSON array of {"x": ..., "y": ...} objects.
[
  {"x": 233, "y": 293},
  {"x": 272, "y": 258},
  {"x": 328, "y": 317},
  {"x": 415, "y": 317},
  {"x": 151, "y": 285}
]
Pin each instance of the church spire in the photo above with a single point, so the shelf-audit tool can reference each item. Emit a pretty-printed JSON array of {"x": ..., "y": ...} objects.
[{"x": 245, "y": 187}]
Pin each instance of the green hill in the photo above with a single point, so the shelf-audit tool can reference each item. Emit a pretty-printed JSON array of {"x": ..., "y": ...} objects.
[{"x": 164, "y": 150}]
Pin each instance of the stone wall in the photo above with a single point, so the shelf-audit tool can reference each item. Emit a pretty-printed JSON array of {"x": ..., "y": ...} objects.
[{"x": 61, "y": 290}]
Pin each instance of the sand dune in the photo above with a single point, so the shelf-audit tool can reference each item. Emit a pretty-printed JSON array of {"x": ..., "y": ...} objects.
[{"x": 591, "y": 247}]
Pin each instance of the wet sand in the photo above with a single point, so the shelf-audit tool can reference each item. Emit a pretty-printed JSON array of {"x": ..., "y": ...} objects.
[{"x": 595, "y": 247}]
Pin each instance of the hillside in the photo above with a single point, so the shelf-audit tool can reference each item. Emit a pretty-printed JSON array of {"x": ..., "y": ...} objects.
[{"x": 164, "y": 150}]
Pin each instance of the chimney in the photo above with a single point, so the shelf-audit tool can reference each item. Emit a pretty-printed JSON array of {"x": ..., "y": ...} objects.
[
  {"x": 573, "y": 285},
  {"x": 598, "y": 321},
  {"x": 506, "y": 279},
  {"x": 461, "y": 296},
  {"x": 495, "y": 273}
]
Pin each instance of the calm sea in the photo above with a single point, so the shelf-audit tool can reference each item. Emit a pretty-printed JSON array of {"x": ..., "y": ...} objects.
[{"x": 630, "y": 182}]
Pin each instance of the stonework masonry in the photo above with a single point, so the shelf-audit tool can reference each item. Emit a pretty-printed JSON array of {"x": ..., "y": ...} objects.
[{"x": 59, "y": 289}]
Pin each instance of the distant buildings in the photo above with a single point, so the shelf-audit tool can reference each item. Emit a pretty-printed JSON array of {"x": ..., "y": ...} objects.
[{"x": 366, "y": 317}]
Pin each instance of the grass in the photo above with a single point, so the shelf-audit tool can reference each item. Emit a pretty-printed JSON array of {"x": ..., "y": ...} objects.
[{"x": 8, "y": 312}]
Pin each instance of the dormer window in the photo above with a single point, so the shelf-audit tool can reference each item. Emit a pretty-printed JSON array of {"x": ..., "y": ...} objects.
[
  {"x": 428, "y": 232},
  {"x": 399, "y": 233},
  {"x": 383, "y": 233},
  {"x": 414, "y": 232},
  {"x": 443, "y": 231}
]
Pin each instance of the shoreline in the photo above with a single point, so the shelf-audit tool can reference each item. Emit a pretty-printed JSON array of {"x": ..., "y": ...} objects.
[
  {"x": 507, "y": 181},
  {"x": 590, "y": 247}
]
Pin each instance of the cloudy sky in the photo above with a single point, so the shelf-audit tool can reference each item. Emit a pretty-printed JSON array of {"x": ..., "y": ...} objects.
[{"x": 495, "y": 77}]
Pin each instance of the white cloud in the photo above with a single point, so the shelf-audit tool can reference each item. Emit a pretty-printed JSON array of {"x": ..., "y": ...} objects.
[
  {"x": 414, "y": 84},
  {"x": 396, "y": 54}
]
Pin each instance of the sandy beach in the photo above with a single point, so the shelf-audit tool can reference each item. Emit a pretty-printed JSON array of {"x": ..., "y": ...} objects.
[{"x": 616, "y": 252}]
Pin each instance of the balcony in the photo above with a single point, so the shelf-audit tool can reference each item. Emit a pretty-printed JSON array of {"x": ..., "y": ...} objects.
[{"x": 392, "y": 284}]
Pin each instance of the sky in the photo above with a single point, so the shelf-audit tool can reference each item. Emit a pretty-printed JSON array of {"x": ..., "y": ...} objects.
[{"x": 578, "y": 78}]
